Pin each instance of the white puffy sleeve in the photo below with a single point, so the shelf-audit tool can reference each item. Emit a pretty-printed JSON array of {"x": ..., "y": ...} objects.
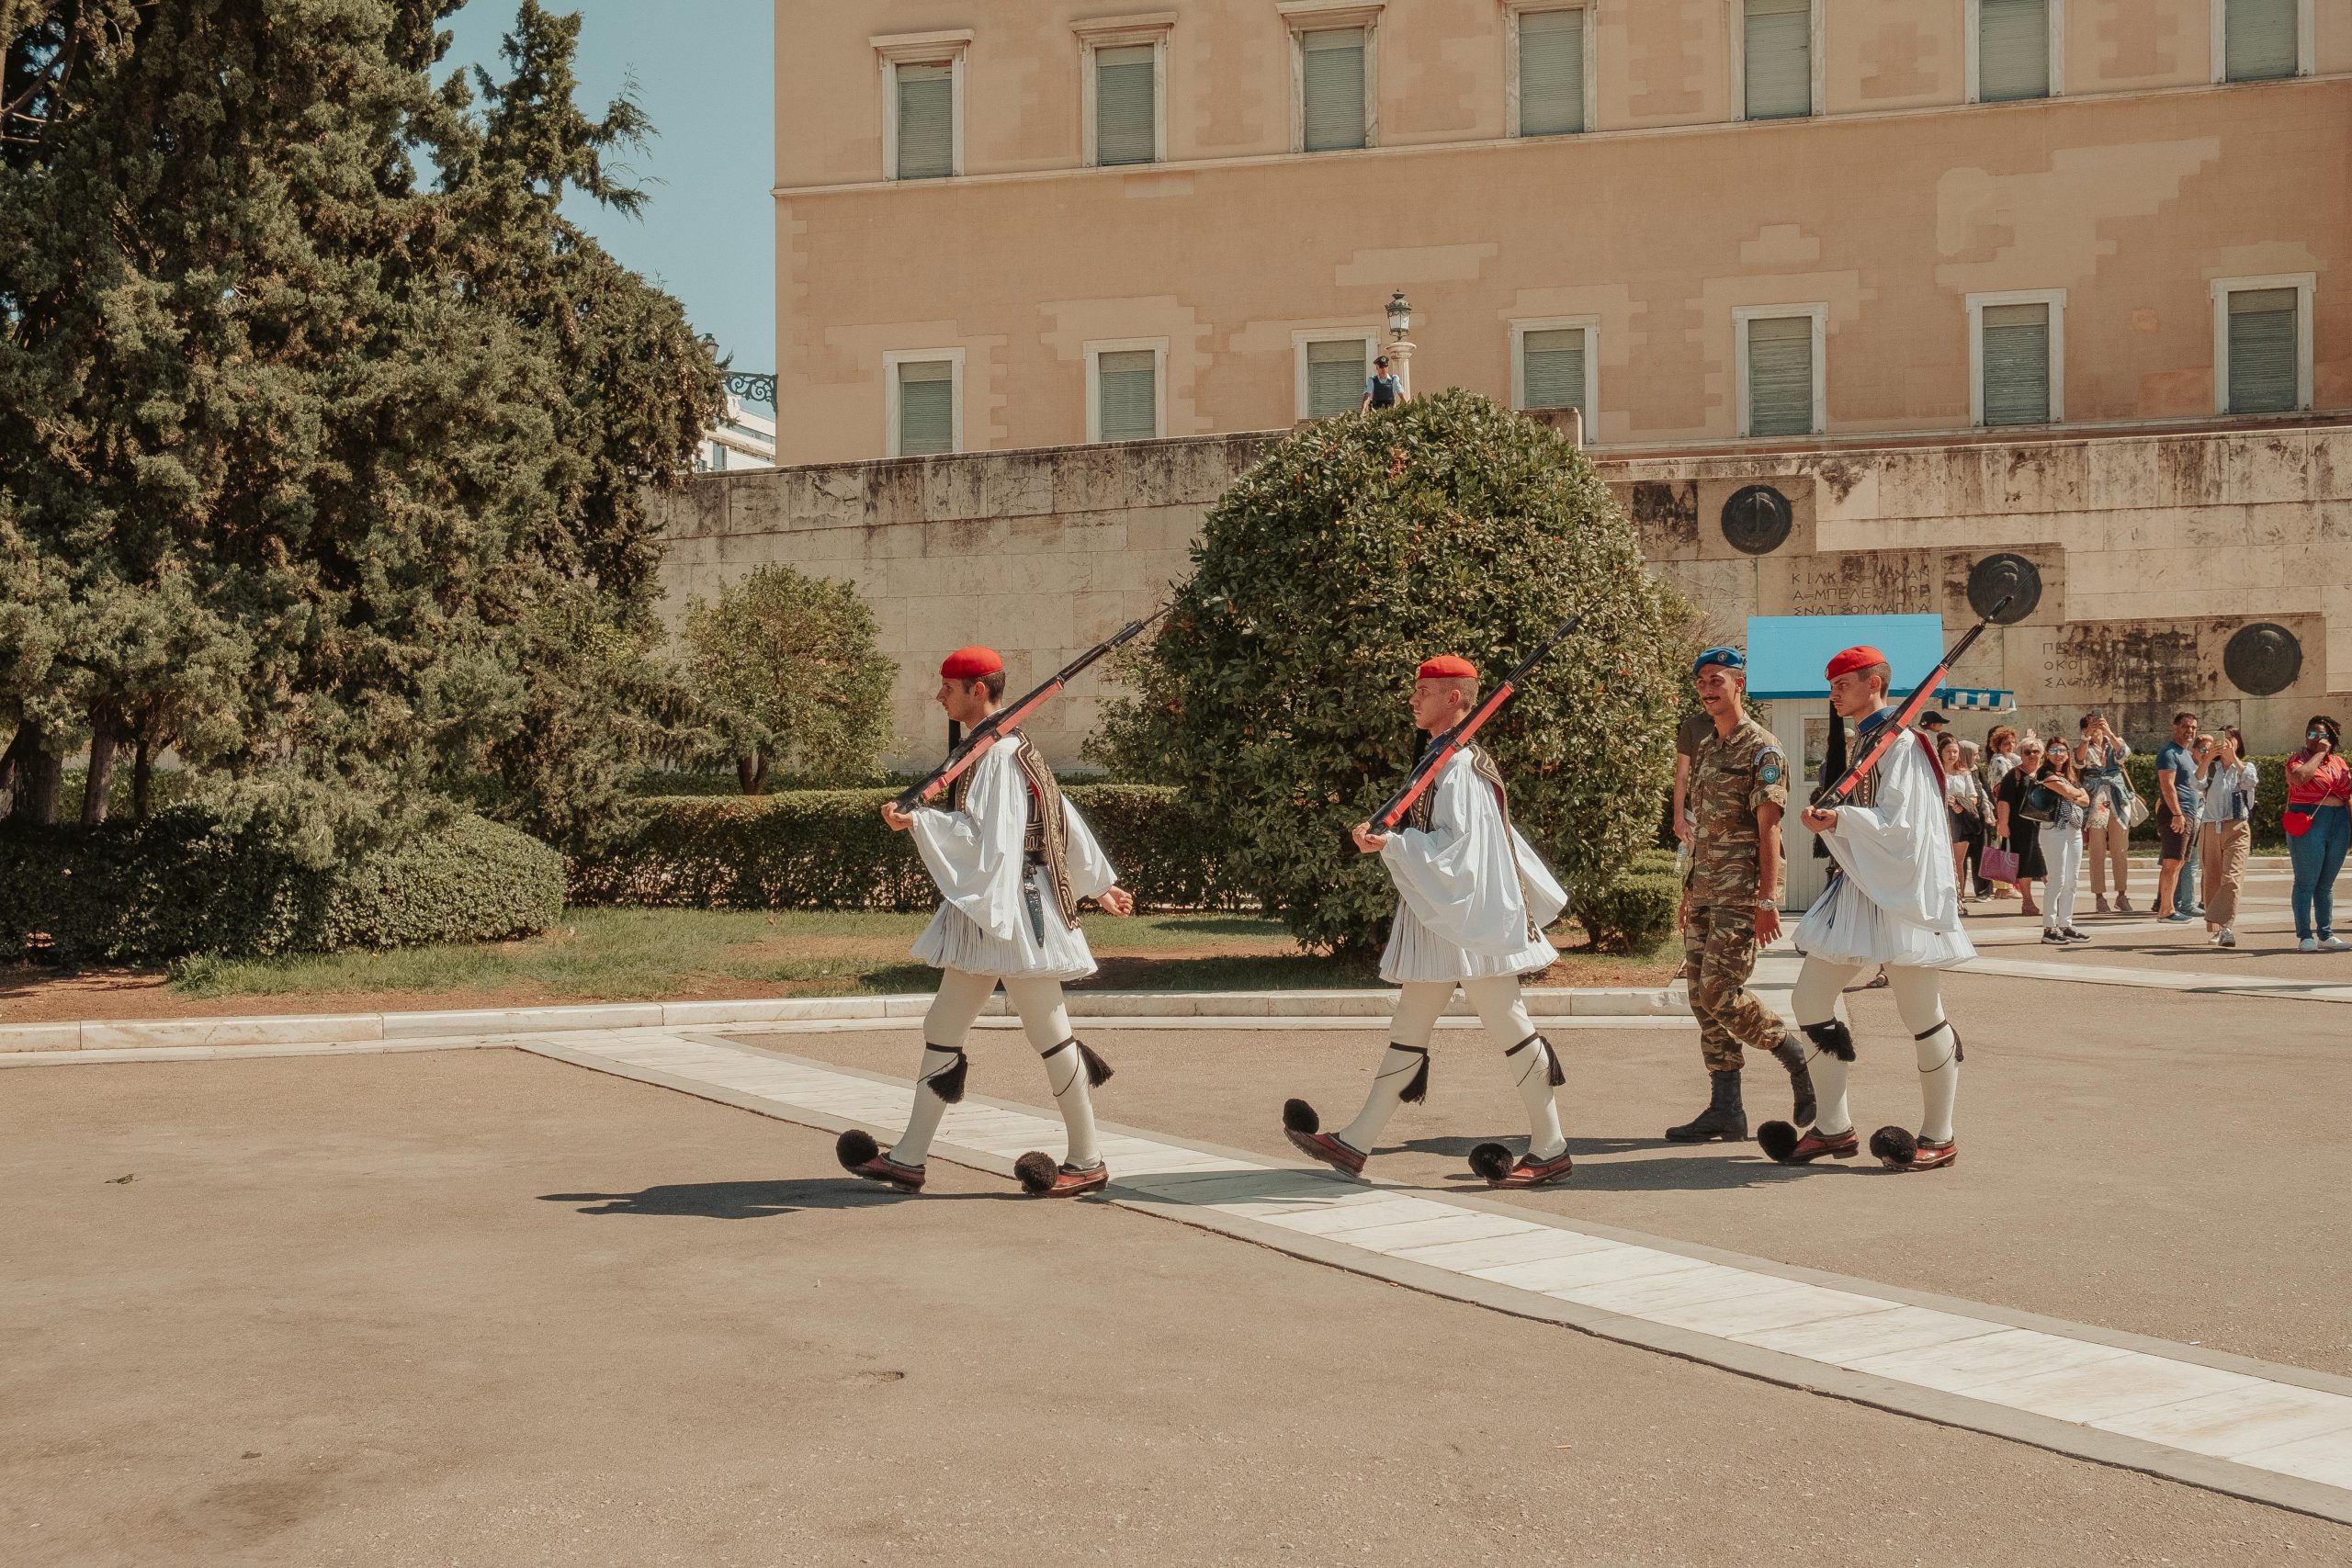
[
  {"x": 974, "y": 854},
  {"x": 1898, "y": 850},
  {"x": 1091, "y": 875},
  {"x": 1461, "y": 877}
]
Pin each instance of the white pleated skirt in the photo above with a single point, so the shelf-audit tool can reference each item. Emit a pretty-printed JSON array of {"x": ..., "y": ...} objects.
[
  {"x": 1845, "y": 927},
  {"x": 1415, "y": 953},
  {"x": 954, "y": 941}
]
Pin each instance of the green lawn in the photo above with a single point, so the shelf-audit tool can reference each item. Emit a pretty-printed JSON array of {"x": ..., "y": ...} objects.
[{"x": 651, "y": 955}]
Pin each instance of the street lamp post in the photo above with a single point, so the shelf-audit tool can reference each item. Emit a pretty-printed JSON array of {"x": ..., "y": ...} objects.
[{"x": 1401, "y": 348}]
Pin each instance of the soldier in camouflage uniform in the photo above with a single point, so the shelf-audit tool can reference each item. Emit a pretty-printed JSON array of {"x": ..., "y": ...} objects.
[{"x": 1730, "y": 899}]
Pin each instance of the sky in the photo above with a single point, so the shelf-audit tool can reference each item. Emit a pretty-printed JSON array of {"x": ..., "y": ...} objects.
[{"x": 706, "y": 77}]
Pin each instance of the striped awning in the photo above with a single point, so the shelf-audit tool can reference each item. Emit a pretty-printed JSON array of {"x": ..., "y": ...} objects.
[{"x": 1975, "y": 699}]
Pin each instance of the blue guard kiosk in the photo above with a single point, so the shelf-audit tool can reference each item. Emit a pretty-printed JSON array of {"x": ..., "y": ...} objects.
[{"x": 1790, "y": 698}]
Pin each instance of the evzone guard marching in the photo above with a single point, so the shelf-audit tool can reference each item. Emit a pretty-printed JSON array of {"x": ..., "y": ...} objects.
[
  {"x": 1473, "y": 901},
  {"x": 1013, "y": 859},
  {"x": 1894, "y": 901}
]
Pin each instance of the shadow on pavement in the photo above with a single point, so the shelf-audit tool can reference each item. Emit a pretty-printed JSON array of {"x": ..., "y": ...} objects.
[
  {"x": 754, "y": 1200},
  {"x": 1682, "y": 1172}
]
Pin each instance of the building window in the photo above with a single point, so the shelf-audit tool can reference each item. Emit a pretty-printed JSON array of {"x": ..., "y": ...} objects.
[
  {"x": 1780, "y": 370},
  {"x": 2262, "y": 345},
  {"x": 2261, "y": 40},
  {"x": 1555, "y": 367},
  {"x": 1333, "y": 78},
  {"x": 1777, "y": 64},
  {"x": 1125, "y": 115},
  {"x": 1331, "y": 373},
  {"x": 926, "y": 412},
  {"x": 922, "y": 104},
  {"x": 2017, "y": 355},
  {"x": 1124, "y": 392},
  {"x": 1551, "y": 73},
  {"x": 2014, "y": 50}
]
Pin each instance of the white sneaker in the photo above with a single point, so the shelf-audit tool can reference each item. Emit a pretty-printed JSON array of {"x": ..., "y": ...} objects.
[
  {"x": 2228, "y": 938},
  {"x": 2334, "y": 945},
  {"x": 2307, "y": 945}
]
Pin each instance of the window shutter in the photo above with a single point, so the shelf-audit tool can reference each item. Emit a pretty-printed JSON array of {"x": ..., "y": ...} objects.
[
  {"x": 926, "y": 407},
  {"x": 1780, "y": 59},
  {"x": 926, "y": 122},
  {"x": 1779, "y": 375},
  {"x": 1552, "y": 373},
  {"x": 1331, "y": 77},
  {"x": 2016, "y": 364},
  {"x": 1551, "y": 73},
  {"x": 1126, "y": 83},
  {"x": 1126, "y": 384},
  {"x": 2262, "y": 341},
  {"x": 1335, "y": 377},
  {"x": 2012, "y": 49},
  {"x": 2260, "y": 39}
]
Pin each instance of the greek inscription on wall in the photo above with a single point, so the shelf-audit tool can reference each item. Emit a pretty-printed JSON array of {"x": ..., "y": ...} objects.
[
  {"x": 1860, "y": 582},
  {"x": 1665, "y": 513}
]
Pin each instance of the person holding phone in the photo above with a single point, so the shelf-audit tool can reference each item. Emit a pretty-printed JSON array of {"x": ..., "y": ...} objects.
[
  {"x": 2108, "y": 841},
  {"x": 2319, "y": 829}
]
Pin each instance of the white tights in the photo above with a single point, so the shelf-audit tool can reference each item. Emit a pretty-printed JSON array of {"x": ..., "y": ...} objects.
[
  {"x": 1919, "y": 997},
  {"x": 1043, "y": 1018},
  {"x": 1504, "y": 1014}
]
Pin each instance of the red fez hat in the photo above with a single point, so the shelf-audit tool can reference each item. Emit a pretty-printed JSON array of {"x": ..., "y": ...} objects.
[
  {"x": 1448, "y": 667},
  {"x": 1855, "y": 659},
  {"x": 970, "y": 664}
]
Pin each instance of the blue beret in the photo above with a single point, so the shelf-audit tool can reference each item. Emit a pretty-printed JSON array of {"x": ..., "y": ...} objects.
[{"x": 1729, "y": 658}]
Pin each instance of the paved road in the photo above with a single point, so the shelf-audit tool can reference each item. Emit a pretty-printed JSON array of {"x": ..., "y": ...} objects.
[{"x": 480, "y": 1308}]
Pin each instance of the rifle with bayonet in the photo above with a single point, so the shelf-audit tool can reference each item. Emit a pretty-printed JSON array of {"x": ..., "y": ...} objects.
[{"x": 1838, "y": 788}]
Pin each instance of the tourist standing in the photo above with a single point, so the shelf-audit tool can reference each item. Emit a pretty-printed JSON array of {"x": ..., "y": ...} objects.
[
  {"x": 2319, "y": 827},
  {"x": 2225, "y": 832},
  {"x": 2175, "y": 814},
  {"x": 1965, "y": 798},
  {"x": 2000, "y": 756},
  {"x": 2020, "y": 836},
  {"x": 2108, "y": 834},
  {"x": 2059, "y": 800}
]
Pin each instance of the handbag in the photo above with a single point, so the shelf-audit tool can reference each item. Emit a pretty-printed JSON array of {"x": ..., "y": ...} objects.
[
  {"x": 2135, "y": 808},
  {"x": 2297, "y": 819},
  {"x": 2039, "y": 801},
  {"x": 1997, "y": 863}
]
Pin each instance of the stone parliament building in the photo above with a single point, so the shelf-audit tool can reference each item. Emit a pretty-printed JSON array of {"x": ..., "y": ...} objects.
[{"x": 1858, "y": 304}]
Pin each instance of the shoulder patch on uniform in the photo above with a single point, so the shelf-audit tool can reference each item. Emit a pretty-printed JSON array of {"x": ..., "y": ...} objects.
[{"x": 1768, "y": 765}]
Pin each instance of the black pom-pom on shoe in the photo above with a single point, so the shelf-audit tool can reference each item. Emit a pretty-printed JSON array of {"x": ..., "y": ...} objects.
[
  {"x": 1492, "y": 1162},
  {"x": 1895, "y": 1148},
  {"x": 855, "y": 1147},
  {"x": 1778, "y": 1138},
  {"x": 1299, "y": 1117},
  {"x": 1036, "y": 1172}
]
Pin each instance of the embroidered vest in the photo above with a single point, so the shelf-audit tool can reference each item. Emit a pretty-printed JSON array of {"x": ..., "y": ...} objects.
[
  {"x": 1044, "y": 840},
  {"x": 1423, "y": 811}
]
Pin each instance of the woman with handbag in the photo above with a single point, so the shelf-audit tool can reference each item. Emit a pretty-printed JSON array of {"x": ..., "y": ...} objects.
[
  {"x": 2225, "y": 829},
  {"x": 2020, "y": 838},
  {"x": 2057, "y": 800},
  {"x": 1964, "y": 801},
  {"x": 2319, "y": 827}
]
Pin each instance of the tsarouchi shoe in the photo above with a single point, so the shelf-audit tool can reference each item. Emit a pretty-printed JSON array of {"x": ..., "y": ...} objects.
[
  {"x": 1493, "y": 1165},
  {"x": 1897, "y": 1149},
  {"x": 862, "y": 1158},
  {"x": 1303, "y": 1127},
  {"x": 1041, "y": 1177},
  {"x": 1781, "y": 1141}
]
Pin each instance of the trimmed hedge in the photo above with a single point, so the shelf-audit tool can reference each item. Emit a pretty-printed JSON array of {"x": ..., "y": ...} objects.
[
  {"x": 179, "y": 884},
  {"x": 1634, "y": 912},
  {"x": 829, "y": 849}
]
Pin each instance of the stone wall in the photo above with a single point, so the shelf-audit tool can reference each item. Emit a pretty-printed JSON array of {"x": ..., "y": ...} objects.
[{"x": 2152, "y": 550}]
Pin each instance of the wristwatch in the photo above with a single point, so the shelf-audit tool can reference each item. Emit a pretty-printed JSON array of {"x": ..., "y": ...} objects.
[{"x": 1772, "y": 904}]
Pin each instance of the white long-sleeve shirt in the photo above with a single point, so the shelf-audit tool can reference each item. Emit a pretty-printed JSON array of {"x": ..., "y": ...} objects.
[
  {"x": 1896, "y": 900},
  {"x": 975, "y": 856},
  {"x": 1460, "y": 911}
]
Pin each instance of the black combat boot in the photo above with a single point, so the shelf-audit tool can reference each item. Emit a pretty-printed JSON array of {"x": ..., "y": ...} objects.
[
  {"x": 1791, "y": 1054},
  {"x": 1724, "y": 1118}
]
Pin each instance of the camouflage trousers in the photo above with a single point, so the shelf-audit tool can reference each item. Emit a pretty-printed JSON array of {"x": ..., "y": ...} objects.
[{"x": 1718, "y": 955}]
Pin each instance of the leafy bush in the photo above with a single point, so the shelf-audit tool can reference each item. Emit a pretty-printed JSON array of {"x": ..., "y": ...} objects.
[
  {"x": 1357, "y": 548},
  {"x": 181, "y": 883},
  {"x": 1634, "y": 912},
  {"x": 790, "y": 668},
  {"x": 829, "y": 849}
]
